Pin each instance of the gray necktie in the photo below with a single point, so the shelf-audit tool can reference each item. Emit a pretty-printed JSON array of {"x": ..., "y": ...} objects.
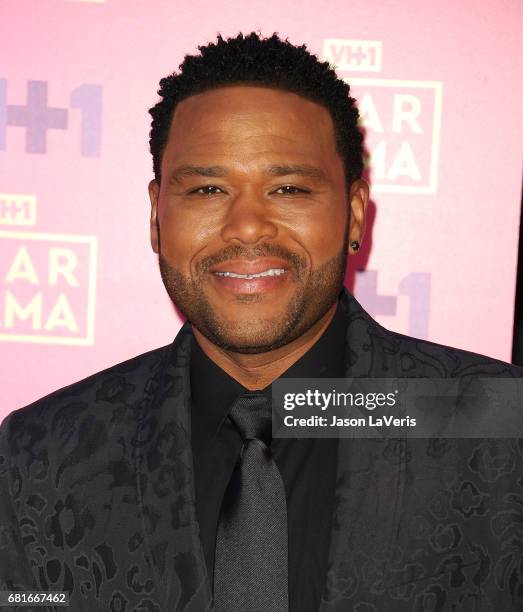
[{"x": 251, "y": 560}]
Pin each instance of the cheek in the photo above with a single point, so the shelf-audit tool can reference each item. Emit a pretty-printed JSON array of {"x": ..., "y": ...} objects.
[
  {"x": 321, "y": 235},
  {"x": 182, "y": 236}
]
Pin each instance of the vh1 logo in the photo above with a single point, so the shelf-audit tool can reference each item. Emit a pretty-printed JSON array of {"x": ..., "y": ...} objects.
[
  {"x": 37, "y": 117},
  {"x": 17, "y": 209},
  {"x": 48, "y": 288},
  {"x": 353, "y": 55},
  {"x": 402, "y": 121}
]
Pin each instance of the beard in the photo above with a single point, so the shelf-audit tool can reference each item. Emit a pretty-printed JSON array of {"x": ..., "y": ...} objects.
[{"x": 314, "y": 295}]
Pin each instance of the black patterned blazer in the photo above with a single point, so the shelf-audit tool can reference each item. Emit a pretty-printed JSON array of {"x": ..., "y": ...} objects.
[{"x": 97, "y": 494}]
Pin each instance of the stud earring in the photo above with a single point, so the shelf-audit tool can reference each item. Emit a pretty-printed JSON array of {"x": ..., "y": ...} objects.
[{"x": 355, "y": 245}]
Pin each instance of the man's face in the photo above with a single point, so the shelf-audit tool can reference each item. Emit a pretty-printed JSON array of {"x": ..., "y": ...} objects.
[{"x": 251, "y": 220}]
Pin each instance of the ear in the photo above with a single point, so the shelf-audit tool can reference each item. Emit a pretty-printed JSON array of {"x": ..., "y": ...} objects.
[
  {"x": 358, "y": 199},
  {"x": 154, "y": 190}
]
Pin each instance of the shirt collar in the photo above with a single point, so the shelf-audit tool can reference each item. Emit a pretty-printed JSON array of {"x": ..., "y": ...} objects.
[{"x": 213, "y": 391}]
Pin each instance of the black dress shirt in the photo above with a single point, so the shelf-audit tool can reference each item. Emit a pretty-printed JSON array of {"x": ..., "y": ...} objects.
[{"x": 307, "y": 466}]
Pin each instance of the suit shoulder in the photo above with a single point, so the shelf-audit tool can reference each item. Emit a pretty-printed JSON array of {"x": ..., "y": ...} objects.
[
  {"x": 437, "y": 360},
  {"x": 120, "y": 383},
  {"x": 396, "y": 354}
]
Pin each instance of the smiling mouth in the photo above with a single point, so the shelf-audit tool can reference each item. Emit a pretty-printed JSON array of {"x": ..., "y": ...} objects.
[{"x": 269, "y": 272}]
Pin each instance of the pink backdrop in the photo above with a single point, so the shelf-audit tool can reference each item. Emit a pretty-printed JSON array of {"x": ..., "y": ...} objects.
[{"x": 441, "y": 100}]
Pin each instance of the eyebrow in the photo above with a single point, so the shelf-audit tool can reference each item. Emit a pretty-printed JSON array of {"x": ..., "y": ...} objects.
[{"x": 279, "y": 170}]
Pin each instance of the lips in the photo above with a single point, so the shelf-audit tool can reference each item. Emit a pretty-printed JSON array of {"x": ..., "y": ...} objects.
[{"x": 237, "y": 276}]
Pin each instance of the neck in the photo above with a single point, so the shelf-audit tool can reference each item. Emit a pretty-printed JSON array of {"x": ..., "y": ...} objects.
[{"x": 258, "y": 370}]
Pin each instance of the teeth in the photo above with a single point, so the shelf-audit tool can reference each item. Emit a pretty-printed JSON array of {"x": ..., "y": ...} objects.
[{"x": 270, "y": 272}]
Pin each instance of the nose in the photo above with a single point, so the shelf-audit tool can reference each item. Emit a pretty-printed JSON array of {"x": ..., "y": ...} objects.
[{"x": 247, "y": 219}]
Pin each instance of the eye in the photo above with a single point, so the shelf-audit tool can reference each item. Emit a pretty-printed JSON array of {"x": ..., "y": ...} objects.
[
  {"x": 206, "y": 190},
  {"x": 290, "y": 190}
]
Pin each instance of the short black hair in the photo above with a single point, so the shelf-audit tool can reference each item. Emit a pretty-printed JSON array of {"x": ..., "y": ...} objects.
[{"x": 261, "y": 61}]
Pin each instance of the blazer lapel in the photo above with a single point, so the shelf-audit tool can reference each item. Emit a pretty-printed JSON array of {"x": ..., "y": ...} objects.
[
  {"x": 166, "y": 484},
  {"x": 370, "y": 478}
]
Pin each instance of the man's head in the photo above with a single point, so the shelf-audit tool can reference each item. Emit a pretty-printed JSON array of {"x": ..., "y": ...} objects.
[{"x": 257, "y": 160}]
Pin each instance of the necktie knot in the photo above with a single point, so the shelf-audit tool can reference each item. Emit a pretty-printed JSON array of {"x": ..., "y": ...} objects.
[{"x": 251, "y": 414}]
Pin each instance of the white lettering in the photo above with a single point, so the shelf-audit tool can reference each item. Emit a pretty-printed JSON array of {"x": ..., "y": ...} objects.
[
  {"x": 61, "y": 316},
  {"x": 13, "y": 309},
  {"x": 369, "y": 114},
  {"x": 406, "y": 109},
  {"x": 62, "y": 261},
  {"x": 22, "y": 268},
  {"x": 404, "y": 164}
]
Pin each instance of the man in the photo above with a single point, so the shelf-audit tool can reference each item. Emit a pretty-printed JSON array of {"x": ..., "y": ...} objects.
[{"x": 138, "y": 489}]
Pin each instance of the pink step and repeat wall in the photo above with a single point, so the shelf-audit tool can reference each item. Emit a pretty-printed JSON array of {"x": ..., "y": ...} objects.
[{"x": 440, "y": 95}]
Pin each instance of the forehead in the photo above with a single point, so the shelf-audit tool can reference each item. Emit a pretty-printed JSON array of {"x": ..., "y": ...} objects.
[{"x": 246, "y": 120}]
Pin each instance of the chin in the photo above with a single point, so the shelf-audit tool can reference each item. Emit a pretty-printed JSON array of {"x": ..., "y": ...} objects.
[{"x": 250, "y": 342}]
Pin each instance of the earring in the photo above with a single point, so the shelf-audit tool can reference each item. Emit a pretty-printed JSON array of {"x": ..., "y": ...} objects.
[{"x": 355, "y": 245}]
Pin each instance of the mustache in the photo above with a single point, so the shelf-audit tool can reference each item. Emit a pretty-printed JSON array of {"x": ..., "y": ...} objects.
[{"x": 237, "y": 251}]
